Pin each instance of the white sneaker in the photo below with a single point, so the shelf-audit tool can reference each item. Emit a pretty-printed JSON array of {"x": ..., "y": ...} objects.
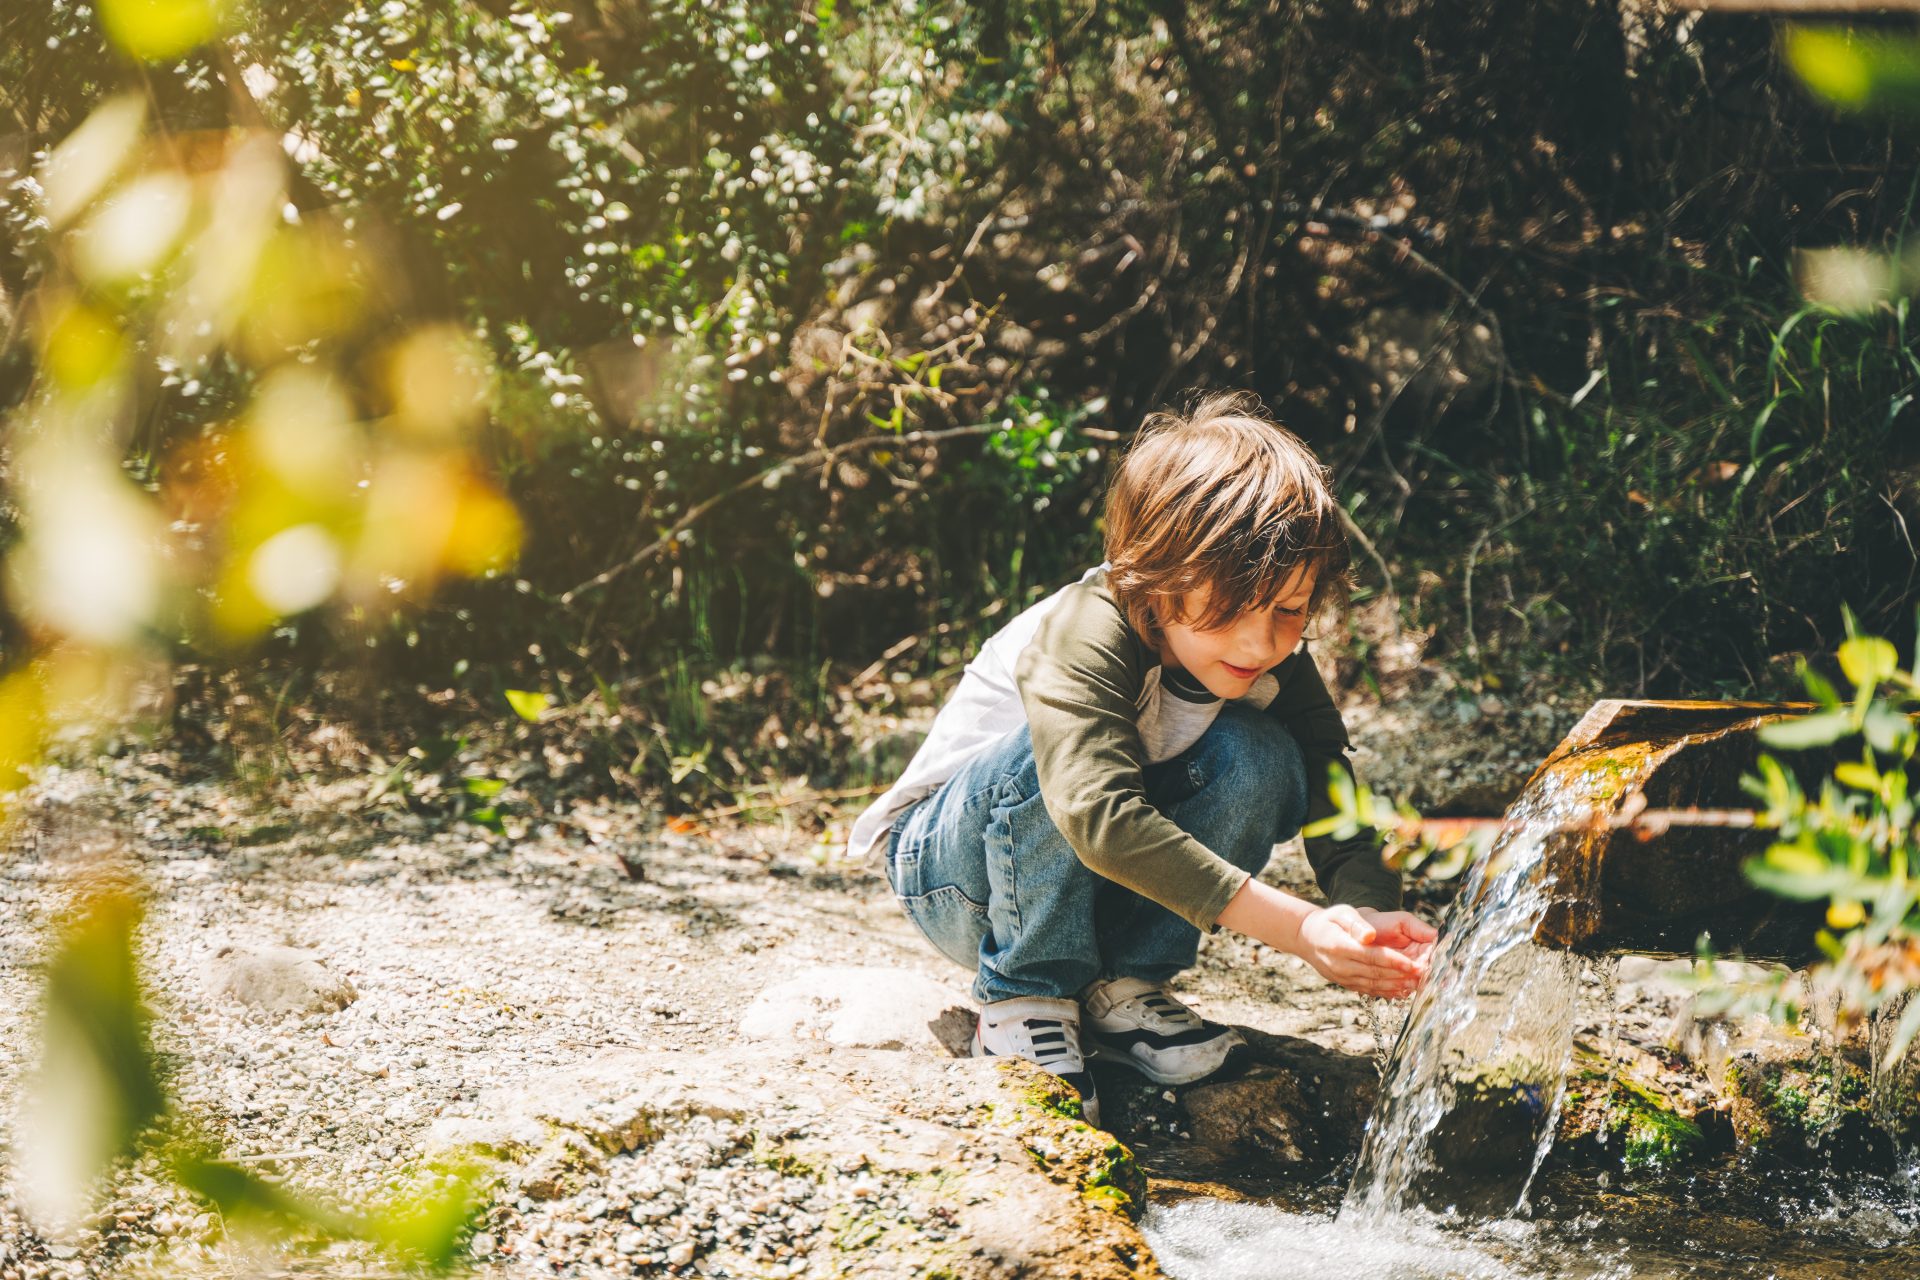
[
  {"x": 1043, "y": 1030},
  {"x": 1138, "y": 1024}
]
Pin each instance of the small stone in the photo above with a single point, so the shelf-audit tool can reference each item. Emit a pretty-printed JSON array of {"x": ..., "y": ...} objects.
[
  {"x": 681, "y": 1254},
  {"x": 628, "y": 1243},
  {"x": 483, "y": 1244},
  {"x": 278, "y": 980}
]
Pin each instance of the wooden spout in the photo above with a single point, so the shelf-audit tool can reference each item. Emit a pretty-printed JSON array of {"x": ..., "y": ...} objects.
[{"x": 1616, "y": 889}]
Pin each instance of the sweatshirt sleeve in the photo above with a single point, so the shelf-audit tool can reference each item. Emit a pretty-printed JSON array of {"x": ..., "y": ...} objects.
[
  {"x": 1351, "y": 870},
  {"x": 1079, "y": 681}
]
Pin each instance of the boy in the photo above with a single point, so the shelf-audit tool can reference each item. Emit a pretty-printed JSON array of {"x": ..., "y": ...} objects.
[{"x": 1120, "y": 759}]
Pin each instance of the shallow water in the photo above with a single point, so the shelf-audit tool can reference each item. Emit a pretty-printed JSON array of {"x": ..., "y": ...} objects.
[{"x": 1733, "y": 1225}]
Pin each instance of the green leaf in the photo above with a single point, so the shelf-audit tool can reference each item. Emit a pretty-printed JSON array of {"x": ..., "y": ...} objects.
[
  {"x": 485, "y": 788},
  {"x": 1820, "y": 729},
  {"x": 156, "y": 30},
  {"x": 526, "y": 704},
  {"x": 433, "y": 1225},
  {"x": 1858, "y": 776},
  {"x": 1885, "y": 726},
  {"x": 1855, "y": 71},
  {"x": 1818, "y": 686},
  {"x": 1867, "y": 660},
  {"x": 1795, "y": 860},
  {"x": 96, "y": 1087}
]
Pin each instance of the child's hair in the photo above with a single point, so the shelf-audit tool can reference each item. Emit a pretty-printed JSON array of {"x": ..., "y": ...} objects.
[{"x": 1225, "y": 497}]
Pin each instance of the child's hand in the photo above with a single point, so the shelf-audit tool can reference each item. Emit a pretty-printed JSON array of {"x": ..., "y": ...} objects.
[
  {"x": 1404, "y": 932},
  {"x": 1347, "y": 948}
]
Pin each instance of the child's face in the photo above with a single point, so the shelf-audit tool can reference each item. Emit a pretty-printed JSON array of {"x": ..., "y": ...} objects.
[{"x": 1228, "y": 660}]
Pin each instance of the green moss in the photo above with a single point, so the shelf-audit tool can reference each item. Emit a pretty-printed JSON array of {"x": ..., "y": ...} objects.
[
  {"x": 859, "y": 1232},
  {"x": 1651, "y": 1133},
  {"x": 1058, "y": 1100},
  {"x": 1115, "y": 1182},
  {"x": 1654, "y": 1137},
  {"x": 782, "y": 1161}
]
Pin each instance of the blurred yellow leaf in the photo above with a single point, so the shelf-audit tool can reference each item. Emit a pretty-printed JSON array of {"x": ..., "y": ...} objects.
[
  {"x": 1832, "y": 64},
  {"x": 402, "y": 64},
  {"x": 81, "y": 346},
  {"x": 1867, "y": 660},
  {"x": 81, "y": 166},
  {"x": 95, "y": 1088},
  {"x": 300, "y": 429},
  {"x": 1845, "y": 914},
  {"x": 23, "y": 725},
  {"x": 485, "y": 533},
  {"x": 308, "y": 284},
  {"x": 152, "y": 30},
  {"x": 1796, "y": 861},
  {"x": 237, "y": 611},
  {"x": 437, "y": 381},
  {"x": 134, "y": 230},
  {"x": 89, "y": 567},
  {"x": 528, "y": 704},
  {"x": 1858, "y": 776},
  {"x": 1856, "y": 70},
  {"x": 295, "y": 569}
]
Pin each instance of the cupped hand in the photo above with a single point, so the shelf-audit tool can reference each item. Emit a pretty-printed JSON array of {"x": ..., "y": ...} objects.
[
  {"x": 1404, "y": 932},
  {"x": 1347, "y": 948}
]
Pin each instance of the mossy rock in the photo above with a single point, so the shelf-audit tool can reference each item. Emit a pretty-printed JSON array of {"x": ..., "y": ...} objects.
[
  {"x": 1802, "y": 1111},
  {"x": 1629, "y": 1123},
  {"x": 1066, "y": 1147}
]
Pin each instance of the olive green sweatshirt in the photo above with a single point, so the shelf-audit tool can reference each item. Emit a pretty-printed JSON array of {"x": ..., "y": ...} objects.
[{"x": 1083, "y": 681}]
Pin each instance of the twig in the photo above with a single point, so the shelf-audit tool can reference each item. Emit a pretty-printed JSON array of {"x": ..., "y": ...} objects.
[
  {"x": 1642, "y": 821},
  {"x": 1359, "y": 535},
  {"x": 812, "y": 458}
]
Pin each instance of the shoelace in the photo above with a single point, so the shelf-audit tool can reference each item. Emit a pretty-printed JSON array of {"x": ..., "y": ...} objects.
[
  {"x": 1048, "y": 1045},
  {"x": 1159, "y": 1002}
]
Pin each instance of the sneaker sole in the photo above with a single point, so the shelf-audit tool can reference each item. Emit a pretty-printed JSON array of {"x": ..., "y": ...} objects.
[{"x": 1098, "y": 1052}]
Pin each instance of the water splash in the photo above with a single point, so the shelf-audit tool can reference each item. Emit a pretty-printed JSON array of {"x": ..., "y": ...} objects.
[
  {"x": 1222, "y": 1240},
  {"x": 1606, "y": 970},
  {"x": 1470, "y": 1100}
]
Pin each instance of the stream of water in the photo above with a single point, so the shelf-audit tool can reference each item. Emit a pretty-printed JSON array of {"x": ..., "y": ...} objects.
[{"x": 1481, "y": 1064}]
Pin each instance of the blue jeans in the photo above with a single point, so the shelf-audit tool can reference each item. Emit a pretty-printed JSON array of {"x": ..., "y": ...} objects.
[{"x": 981, "y": 869}]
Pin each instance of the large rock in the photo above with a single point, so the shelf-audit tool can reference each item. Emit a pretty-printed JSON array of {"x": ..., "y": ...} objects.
[
  {"x": 1261, "y": 1114},
  {"x": 616, "y": 1100},
  {"x": 861, "y": 1008},
  {"x": 968, "y": 1169},
  {"x": 278, "y": 979}
]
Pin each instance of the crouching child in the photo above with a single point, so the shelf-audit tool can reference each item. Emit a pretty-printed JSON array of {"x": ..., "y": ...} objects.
[{"x": 1118, "y": 762}]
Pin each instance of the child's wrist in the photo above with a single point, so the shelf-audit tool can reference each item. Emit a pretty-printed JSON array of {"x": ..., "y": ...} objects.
[{"x": 1268, "y": 915}]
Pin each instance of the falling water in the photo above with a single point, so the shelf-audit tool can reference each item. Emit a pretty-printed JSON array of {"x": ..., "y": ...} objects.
[
  {"x": 1607, "y": 970},
  {"x": 1471, "y": 1097},
  {"x": 1888, "y": 1080}
]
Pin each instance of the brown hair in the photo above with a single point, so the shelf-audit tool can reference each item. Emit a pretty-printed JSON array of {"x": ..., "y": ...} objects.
[{"x": 1222, "y": 497}]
